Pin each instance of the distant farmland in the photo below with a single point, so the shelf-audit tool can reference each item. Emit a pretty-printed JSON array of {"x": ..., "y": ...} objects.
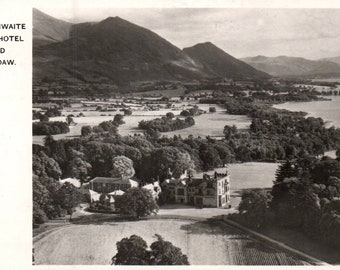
[{"x": 205, "y": 243}]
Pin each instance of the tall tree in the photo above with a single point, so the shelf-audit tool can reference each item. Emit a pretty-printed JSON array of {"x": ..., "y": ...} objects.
[
  {"x": 137, "y": 203},
  {"x": 285, "y": 170},
  {"x": 165, "y": 158},
  {"x": 118, "y": 119},
  {"x": 122, "y": 167},
  {"x": 134, "y": 251},
  {"x": 68, "y": 197},
  {"x": 254, "y": 206},
  {"x": 165, "y": 253},
  {"x": 131, "y": 251}
]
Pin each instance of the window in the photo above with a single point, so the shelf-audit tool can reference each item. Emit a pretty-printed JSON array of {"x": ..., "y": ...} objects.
[{"x": 180, "y": 191}]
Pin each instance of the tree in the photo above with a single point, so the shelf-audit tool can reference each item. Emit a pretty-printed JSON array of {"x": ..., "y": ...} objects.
[
  {"x": 185, "y": 113},
  {"x": 326, "y": 168},
  {"x": 330, "y": 223},
  {"x": 108, "y": 126},
  {"x": 337, "y": 153},
  {"x": 78, "y": 168},
  {"x": 136, "y": 203},
  {"x": 86, "y": 130},
  {"x": 127, "y": 112},
  {"x": 122, "y": 167},
  {"x": 43, "y": 118},
  {"x": 169, "y": 115},
  {"x": 165, "y": 253},
  {"x": 39, "y": 216},
  {"x": 52, "y": 112},
  {"x": 254, "y": 205},
  {"x": 165, "y": 158},
  {"x": 68, "y": 197},
  {"x": 229, "y": 131},
  {"x": 285, "y": 170},
  {"x": 118, "y": 119},
  {"x": 50, "y": 128},
  {"x": 69, "y": 120},
  {"x": 45, "y": 166},
  {"x": 133, "y": 251}
]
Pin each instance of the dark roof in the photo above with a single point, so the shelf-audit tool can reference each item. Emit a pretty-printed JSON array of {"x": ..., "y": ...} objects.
[
  {"x": 194, "y": 182},
  {"x": 110, "y": 180}
]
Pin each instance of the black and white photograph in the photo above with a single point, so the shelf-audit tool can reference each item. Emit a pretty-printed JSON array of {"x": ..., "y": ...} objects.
[{"x": 183, "y": 134}]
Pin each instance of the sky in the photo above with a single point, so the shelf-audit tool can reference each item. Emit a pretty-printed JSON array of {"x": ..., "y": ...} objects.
[{"x": 242, "y": 32}]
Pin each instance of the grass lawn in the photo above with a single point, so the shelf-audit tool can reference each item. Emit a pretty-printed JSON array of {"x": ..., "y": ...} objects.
[
  {"x": 303, "y": 243},
  {"x": 208, "y": 242}
]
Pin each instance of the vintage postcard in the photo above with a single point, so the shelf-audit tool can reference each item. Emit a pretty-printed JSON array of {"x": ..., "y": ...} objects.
[{"x": 171, "y": 133}]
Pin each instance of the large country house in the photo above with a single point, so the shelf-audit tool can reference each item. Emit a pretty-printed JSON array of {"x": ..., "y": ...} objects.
[
  {"x": 109, "y": 184},
  {"x": 208, "y": 191}
]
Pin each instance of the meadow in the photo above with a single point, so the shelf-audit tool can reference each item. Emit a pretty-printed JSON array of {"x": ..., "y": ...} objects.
[
  {"x": 208, "y": 124},
  {"x": 204, "y": 242}
]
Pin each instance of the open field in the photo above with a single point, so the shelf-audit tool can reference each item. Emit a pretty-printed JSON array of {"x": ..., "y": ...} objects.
[
  {"x": 249, "y": 175},
  {"x": 210, "y": 242},
  {"x": 163, "y": 92},
  {"x": 206, "y": 124}
]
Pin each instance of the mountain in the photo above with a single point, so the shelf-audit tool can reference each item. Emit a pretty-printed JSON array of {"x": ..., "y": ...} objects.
[
  {"x": 47, "y": 29},
  {"x": 284, "y": 66},
  {"x": 218, "y": 63},
  {"x": 115, "y": 50},
  {"x": 332, "y": 59}
]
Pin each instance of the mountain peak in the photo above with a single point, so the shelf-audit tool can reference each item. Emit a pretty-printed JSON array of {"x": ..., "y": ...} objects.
[
  {"x": 205, "y": 45},
  {"x": 114, "y": 20},
  {"x": 220, "y": 64}
]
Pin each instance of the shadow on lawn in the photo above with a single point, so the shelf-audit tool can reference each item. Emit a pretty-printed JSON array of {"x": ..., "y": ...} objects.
[
  {"x": 95, "y": 220},
  {"x": 254, "y": 252},
  {"x": 213, "y": 226},
  {"x": 260, "y": 247}
]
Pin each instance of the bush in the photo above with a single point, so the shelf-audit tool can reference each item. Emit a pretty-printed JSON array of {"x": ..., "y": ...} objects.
[
  {"x": 50, "y": 128},
  {"x": 166, "y": 124}
]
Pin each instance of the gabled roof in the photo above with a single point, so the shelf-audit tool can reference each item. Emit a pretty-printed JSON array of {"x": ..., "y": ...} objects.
[
  {"x": 73, "y": 181},
  {"x": 117, "y": 192},
  {"x": 195, "y": 182},
  {"x": 112, "y": 180}
]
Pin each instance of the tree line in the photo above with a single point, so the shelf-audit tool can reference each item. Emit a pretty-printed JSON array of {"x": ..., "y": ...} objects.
[
  {"x": 305, "y": 197},
  {"x": 166, "y": 124}
]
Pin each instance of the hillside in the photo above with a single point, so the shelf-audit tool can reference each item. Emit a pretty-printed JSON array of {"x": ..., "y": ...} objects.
[
  {"x": 117, "y": 51},
  {"x": 113, "y": 50},
  {"x": 47, "y": 29},
  {"x": 332, "y": 59},
  {"x": 284, "y": 66},
  {"x": 218, "y": 63}
]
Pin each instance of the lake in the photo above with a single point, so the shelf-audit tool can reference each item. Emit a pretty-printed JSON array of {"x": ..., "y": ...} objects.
[{"x": 328, "y": 110}]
